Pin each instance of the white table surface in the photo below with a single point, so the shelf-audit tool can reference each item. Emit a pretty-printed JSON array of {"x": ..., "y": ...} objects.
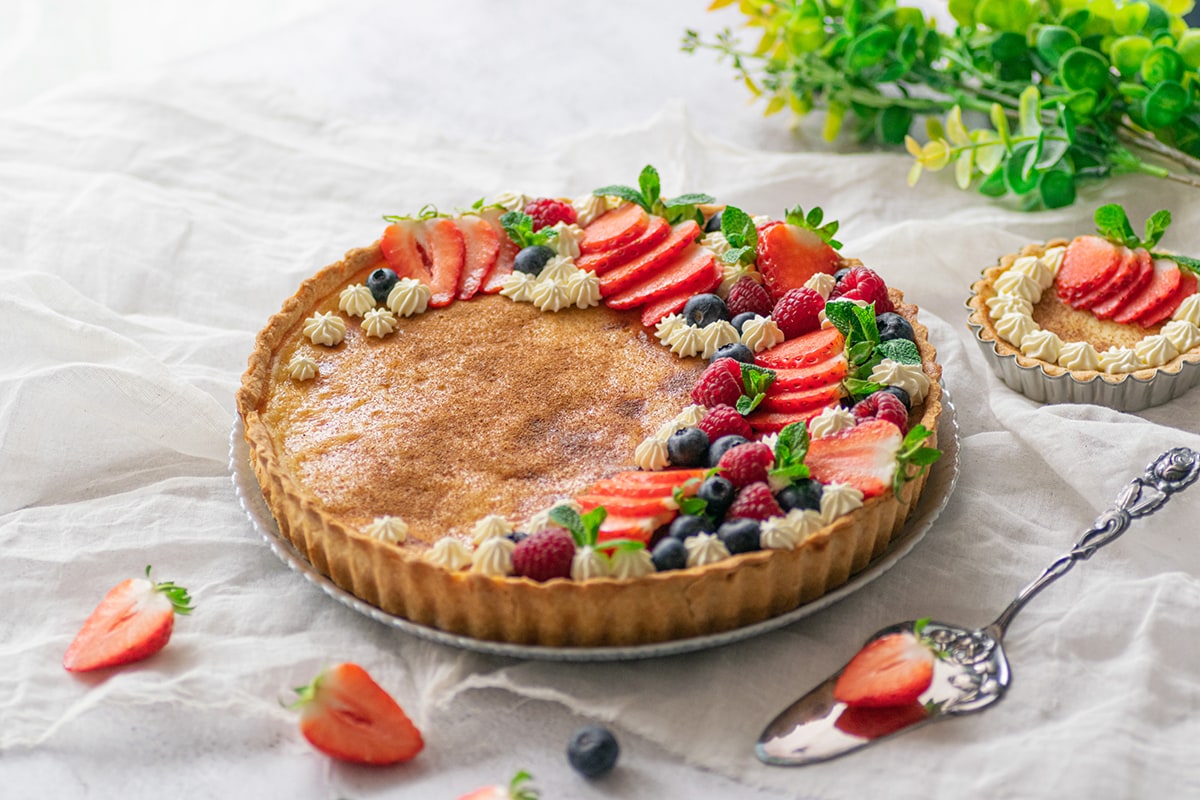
[{"x": 169, "y": 173}]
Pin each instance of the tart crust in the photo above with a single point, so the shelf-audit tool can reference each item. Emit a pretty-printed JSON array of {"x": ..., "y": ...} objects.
[
  {"x": 1043, "y": 380},
  {"x": 737, "y": 591}
]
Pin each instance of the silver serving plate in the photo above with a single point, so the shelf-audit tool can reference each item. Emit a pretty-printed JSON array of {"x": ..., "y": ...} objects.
[{"x": 941, "y": 482}]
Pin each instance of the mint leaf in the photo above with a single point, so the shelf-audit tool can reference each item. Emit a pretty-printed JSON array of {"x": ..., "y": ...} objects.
[
  {"x": 519, "y": 227},
  {"x": 626, "y": 193},
  {"x": 621, "y": 544},
  {"x": 747, "y": 404},
  {"x": 591, "y": 522},
  {"x": 738, "y": 228},
  {"x": 841, "y": 314},
  {"x": 567, "y": 517},
  {"x": 738, "y": 255},
  {"x": 1156, "y": 226},
  {"x": 689, "y": 504},
  {"x": 913, "y": 452},
  {"x": 756, "y": 380},
  {"x": 677, "y": 214},
  {"x": 651, "y": 185},
  {"x": 857, "y": 387},
  {"x": 812, "y": 221},
  {"x": 790, "y": 449},
  {"x": 1185, "y": 262},
  {"x": 901, "y": 350},
  {"x": 868, "y": 329},
  {"x": 1113, "y": 224}
]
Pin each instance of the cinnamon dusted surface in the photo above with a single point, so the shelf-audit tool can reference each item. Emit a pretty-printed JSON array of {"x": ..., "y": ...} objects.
[{"x": 485, "y": 406}]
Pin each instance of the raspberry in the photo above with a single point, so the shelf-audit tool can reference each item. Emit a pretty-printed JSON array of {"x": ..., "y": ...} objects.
[
  {"x": 747, "y": 296},
  {"x": 861, "y": 283},
  {"x": 746, "y": 464},
  {"x": 719, "y": 385},
  {"x": 547, "y": 211},
  {"x": 754, "y": 502},
  {"x": 544, "y": 555},
  {"x": 798, "y": 312},
  {"x": 724, "y": 420},
  {"x": 882, "y": 405}
]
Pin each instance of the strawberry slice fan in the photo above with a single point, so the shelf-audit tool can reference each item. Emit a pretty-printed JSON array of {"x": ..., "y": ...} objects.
[{"x": 916, "y": 673}]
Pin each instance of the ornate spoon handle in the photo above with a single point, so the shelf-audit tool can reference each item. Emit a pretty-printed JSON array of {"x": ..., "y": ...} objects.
[{"x": 1171, "y": 472}]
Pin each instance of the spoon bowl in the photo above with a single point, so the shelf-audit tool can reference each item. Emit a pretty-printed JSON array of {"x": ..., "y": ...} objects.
[{"x": 971, "y": 672}]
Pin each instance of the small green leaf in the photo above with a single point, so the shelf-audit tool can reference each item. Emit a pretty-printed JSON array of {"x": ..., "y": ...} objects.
[
  {"x": 1161, "y": 64},
  {"x": 738, "y": 227},
  {"x": 857, "y": 387},
  {"x": 1113, "y": 224},
  {"x": 591, "y": 522},
  {"x": 1156, "y": 226},
  {"x": 626, "y": 193},
  {"x": 756, "y": 380},
  {"x": 1188, "y": 263},
  {"x": 693, "y": 199},
  {"x": 1030, "y": 111},
  {"x": 869, "y": 48},
  {"x": 650, "y": 184},
  {"x": 747, "y": 404},
  {"x": 1054, "y": 40},
  {"x": 1128, "y": 53},
  {"x": 519, "y": 227},
  {"x": 1015, "y": 177},
  {"x": 1082, "y": 68},
  {"x": 901, "y": 350},
  {"x": 568, "y": 518},
  {"x": 1057, "y": 189},
  {"x": 1164, "y": 106}
]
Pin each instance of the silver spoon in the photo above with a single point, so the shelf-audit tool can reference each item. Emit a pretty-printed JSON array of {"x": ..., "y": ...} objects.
[{"x": 973, "y": 672}]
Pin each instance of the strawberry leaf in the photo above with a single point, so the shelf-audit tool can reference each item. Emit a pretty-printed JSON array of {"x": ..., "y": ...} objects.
[
  {"x": 180, "y": 600},
  {"x": 812, "y": 221},
  {"x": 519, "y": 227},
  {"x": 427, "y": 211},
  {"x": 901, "y": 350}
]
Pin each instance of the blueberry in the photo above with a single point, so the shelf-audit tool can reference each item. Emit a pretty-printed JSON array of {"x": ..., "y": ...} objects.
[
  {"x": 841, "y": 273},
  {"x": 718, "y": 494},
  {"x": 688, "y": 447},
  {"x": 593, "y": 750},
  {"x": 893, "y": 326},
  {"x": 532, "y": 259},
  {"x": 686, "y": 525},
  {"x": 900, "y": 393},
  {"x": 669, "y": 554},
  {"x": 735, "y": 350},
  {"x": 703, "y": 309},
  {"x": 380, "y": 282},
  {"x": 713, "y": 224},
  {"x": 805, "y": 493},
  {"x": 720, "y": 446},
  {"x": 742, "y": 319},
  {"x": 739, "y": 535},
  {"x": 516, "y": 537}
]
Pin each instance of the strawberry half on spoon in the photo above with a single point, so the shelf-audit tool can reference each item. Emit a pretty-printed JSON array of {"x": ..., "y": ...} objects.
[
  {"x": 893, "y": 670},
  {"x": 345, "y": 714},
  {"x": 133, "y": 621}
]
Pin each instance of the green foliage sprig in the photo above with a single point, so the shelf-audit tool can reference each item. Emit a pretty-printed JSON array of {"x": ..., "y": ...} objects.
[
  {"x": 1063, "y": 90},
  {"x": 648, "y": 195}
]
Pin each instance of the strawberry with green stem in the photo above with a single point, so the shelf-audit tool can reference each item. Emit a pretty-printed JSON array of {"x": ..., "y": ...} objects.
[
  {"x": 872, "y": 456},
  {"x": 517, "y": 789},
  {"x": 791, "y": 251}
]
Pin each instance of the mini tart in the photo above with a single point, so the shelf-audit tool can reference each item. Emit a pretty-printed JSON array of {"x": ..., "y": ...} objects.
[
  {"x": 1048, "y": 382},
  {"x": 326, "y": 523}
]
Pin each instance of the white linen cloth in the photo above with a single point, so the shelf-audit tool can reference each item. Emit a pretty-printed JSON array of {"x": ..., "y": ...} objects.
[{"x": 148, "y": 228}]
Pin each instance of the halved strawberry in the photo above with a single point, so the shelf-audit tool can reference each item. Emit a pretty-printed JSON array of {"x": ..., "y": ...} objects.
[
  {"x": 1161, "y": 288},
  {"x": 651, "y": 263},
  {"x": 636, "y": 528},
  {"x": 503, "y": 265},
  {"x": 775, "y": 421},
  {"x": 614, "y": 229},
  {"x": 619, "y": 506},
  {"x": 863, "y": 456},
  {"x": 516, "y": 790},
  {"x": 874, "y": 723},
  {"x": 636, "y": 483},
  {"x": 1088, "y": 263},
  {"x": 446, "y": 252},
  {"x": 1144, "y": 273},
  {"x": 133, "y": 621},
  {"x": 347, "y": 715},
  {"x": 803, "y": 351},
  {"x": 1127, "y": 272},
  {"x": 481, "y": 247},
  {"x": 788, "y": 255},
  {"x": 824, "y": 373},
  {"x": 605, "y": 260},
  {"x": 693, "y": 271},
  {"x": 1156, "y": 315},
  {"x": 400, "y": 245},
  {"x": 801, "y": 401},
  {"x": 893, "y": 670}
]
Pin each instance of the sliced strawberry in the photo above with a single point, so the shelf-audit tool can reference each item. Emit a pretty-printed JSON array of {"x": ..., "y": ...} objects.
[
  {"x": 132, "y": 622},
  {"x": 654, "y": 312},
  {"x": 863, "y": 456},
  {"x": 516, "y": 790},
  {"x": 1156, "y": 315},
  {"x": 1161, "y": 288},
  {"x": 637, "y": 483},
  {"x": 601, "y": 262},
  {"x": 619, "y": 506},
  {"x": 802, "y": 401},
  {"x": 1088, "y": 263},
  {"x": 775, "y": 421},
  {"x": 347, "y": 715},
  {"x": 1127, "y": 272},
  {"x": 504, "y": 259},
  {"x": 789, "y": 255},
  {"x": 636, "y": 528},
  {"x": 893, "y": 670},
  {"x": 446, "y": 252},
  {"x": 824, "y": 373},
  {"x": 401, "y": 248},
  {"x": 481, "y": 248},
  {"x": 803, "y": 351},
  {"x": 651, "y": 263},
  {"x": 691, "y": 272},
  {"x": 614, "y": 229},
  {"x": 875, "y": 723},
  {"x": 1144, "y": 273}
]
